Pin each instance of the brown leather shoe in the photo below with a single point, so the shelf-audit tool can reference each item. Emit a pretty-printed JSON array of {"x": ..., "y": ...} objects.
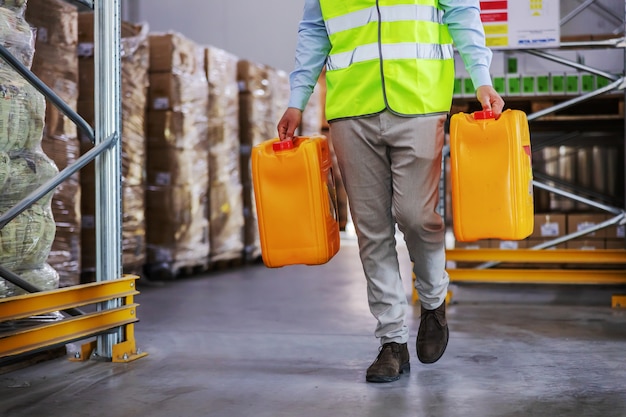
[
  {"x": 432, "y": 336},
  {"x": 392, "y": 360}
]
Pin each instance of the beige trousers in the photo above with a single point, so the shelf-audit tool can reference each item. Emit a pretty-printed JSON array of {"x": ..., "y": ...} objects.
[{"x": 391, "y": 167}]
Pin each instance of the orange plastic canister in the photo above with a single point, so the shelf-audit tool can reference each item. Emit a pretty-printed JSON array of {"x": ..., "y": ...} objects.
[
  {"x": 491, "y": 176},
  {"x": 296, "y": 201}
]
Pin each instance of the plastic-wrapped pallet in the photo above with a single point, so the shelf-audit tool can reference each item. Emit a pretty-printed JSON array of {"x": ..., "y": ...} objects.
[
  {"x": 134, "y": 67},
  {"x": 312, "y": 115},
  {"x": 25, "y": 242},
  {"x": 279, "y": 85},
  {"x": 226, "y": 220},
  {"x": 256, "y": 124},
  {"x": 15, "y": 33},
  {"x": 177, "y": 157},
  {"x": 56, "y": 64}
]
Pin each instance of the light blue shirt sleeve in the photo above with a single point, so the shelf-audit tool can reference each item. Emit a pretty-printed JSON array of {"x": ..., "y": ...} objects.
[
  {"x": 466, "y": 29},
  {"x": 311, "y": 52}
]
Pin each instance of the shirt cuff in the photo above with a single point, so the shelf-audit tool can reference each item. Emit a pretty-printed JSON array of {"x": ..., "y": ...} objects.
[
  {"x": 480, "y": 76},
  {"x": 299, "y": 97}
]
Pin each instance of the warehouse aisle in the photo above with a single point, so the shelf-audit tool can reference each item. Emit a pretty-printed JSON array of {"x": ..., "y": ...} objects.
[{"x": 295, "y": 342}]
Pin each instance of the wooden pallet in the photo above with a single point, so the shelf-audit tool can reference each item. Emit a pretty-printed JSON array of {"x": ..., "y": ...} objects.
[
  {"x": 225, "y": 264},
  {"x": 165, "y": 271},
  {"x": 13, "y": 364}
]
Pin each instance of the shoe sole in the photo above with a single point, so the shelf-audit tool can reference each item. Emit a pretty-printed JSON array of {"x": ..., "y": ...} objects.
[{"x": 381, "y": 379}]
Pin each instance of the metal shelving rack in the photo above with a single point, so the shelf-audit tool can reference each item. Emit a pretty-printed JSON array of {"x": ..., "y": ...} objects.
[
  {"x": 485, "y": 273},
  {"x": 112, "y": 324}
]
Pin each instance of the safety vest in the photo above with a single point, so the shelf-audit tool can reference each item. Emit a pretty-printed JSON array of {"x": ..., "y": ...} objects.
[{"x": 387, "y": 54}]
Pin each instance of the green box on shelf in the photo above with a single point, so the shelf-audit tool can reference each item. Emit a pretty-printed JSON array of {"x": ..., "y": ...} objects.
[
  {"x": 543, "y": 84},
  {"x": 511, "y": 65},
  {"x": 558, "y": 84},
  {"x": 499, "y": 84},
  {"x": 513, "y": 85},
  {"x": 573, "y": 84},
  {"x": 528, "y": 85},
  {"x": 587, "y": 83},
  {"x": 602, "y": 81},
  {"x": 468, "y": 87},
  {"x": 458, "y": 86}
]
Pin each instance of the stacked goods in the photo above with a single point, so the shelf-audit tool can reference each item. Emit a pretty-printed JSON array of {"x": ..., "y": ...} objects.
[
  {"x": 318, "y": 103},
  {"x": 25, "y": 242},
  {"x": 134, "y": 68},
  {"x": 177, "y": 156},
  {"x": 56, "y": 64},
  {"x": 279, "y": 84},
  {"x": 225, "y": 190},
  {"x": 313, "y": 114},
  {"x": 257, "y": 123}
]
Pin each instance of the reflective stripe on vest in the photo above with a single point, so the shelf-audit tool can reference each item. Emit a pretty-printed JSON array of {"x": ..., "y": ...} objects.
[
  {"x": 417, "y": 71},
  {"x": 393, "y": 51},
  {"x": 387, "y": 14}
]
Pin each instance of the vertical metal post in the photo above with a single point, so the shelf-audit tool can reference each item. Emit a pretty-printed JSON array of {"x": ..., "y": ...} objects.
[{"x": 107, "y": 34}]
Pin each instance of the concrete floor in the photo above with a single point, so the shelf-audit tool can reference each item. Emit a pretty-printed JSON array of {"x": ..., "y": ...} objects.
[{"x": 295, "y": 342}]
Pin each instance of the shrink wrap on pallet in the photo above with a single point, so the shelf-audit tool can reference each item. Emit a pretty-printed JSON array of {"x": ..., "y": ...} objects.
[
  {"x": 26, "y": 240},
  {"x": 177, "y": 156},
  {"x": 56, "y": 64},
  {"x": 225, "y": 189},
  {"x": 257, "y": 124},
  {"x": 313, "y": 114},
  {"x": 15, "y": 33}
]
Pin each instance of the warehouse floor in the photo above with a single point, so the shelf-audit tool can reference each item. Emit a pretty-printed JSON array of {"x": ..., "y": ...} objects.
[{"x": 295, "y": 342}]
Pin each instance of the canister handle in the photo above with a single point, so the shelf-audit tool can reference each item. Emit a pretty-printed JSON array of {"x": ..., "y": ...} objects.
[{"x": 482, "y": 115}]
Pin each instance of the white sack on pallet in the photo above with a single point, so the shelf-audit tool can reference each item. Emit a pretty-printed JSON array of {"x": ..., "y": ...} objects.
[
  {"x": 24, "y": 172},
  {"x": 22, "y": 110},
  {"x": 26, "y": 240},
  {"x": 44, "y": 277},
  {"x": 16, "y": 35}
]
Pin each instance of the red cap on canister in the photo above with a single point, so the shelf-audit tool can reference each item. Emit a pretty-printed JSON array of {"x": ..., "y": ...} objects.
[
  {"x": 485, "y": 114},
  {"x": 282, "y": 145}
]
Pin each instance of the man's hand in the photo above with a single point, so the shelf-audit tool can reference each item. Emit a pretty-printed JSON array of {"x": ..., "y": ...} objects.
[
  {"x": 490, "y": 99},
  {"x": 289, "y": 123}
]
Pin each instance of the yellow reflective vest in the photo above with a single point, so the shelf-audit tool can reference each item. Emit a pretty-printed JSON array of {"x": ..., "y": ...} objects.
[{"x": 387, "y": 54}]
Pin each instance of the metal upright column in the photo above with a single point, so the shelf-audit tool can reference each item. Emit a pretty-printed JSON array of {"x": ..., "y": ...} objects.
[{"x": 107, "y": 34}]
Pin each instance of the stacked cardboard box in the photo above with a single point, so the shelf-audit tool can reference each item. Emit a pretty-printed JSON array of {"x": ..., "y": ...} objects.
[
  {"x": 313, "y": 114},
  {"x": 317, "y": 102},
  {"x": 225, "y": 189},
  {"x": 177, "y": 155},
  {"x": 134, "y": 66},
  {"x": 56, "y": 64},
  {"x": 279, "y": 84},
  {"x": 257, "y": 124},
  {"x": 263, "y": 98}
]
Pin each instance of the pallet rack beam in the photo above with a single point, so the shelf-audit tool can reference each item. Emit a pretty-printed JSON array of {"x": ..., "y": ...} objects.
[
  {"x": 538, "y": 276},
  {"x": 582, "y": 256},
  {"x": 39, "y": 336}
]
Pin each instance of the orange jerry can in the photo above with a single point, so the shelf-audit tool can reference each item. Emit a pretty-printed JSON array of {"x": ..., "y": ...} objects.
[
  {"x": 491, "y": 176},
  {"x": 296, "y": 201}
]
